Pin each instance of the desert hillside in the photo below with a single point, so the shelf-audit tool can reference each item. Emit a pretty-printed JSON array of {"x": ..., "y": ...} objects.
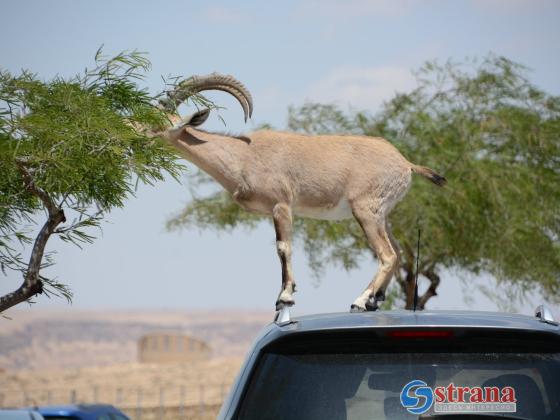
[{"x": 40, "y": 340}]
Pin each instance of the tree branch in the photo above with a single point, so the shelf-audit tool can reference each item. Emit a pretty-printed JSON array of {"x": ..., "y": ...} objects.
[
  {"x": 33, "y": 189},
  {"x": 32, "y": 284},
  {"x": 408, "y": 257},
  {"x": 400, "y": 280},
  {"x": 432, "y": 290}
]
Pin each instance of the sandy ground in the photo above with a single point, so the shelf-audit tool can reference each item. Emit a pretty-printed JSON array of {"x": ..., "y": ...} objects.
[{"x": 122, "y": 384}]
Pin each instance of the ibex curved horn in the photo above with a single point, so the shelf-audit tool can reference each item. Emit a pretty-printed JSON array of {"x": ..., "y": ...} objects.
[{"x": 213, "y": 81}]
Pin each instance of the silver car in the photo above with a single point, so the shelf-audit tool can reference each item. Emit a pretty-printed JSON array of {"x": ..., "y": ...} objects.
[
  {"x": 402, "y": 365},
  {"x": 20, "y": 415}
]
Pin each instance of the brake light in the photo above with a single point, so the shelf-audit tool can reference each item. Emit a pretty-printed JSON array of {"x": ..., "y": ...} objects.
[{"x": 420, "y": 334}]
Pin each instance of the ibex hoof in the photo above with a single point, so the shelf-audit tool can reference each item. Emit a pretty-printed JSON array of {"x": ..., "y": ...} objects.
[
  {"x": 371, "y": 305},
  {"x": 380, "y": 296},
  {"x": 281, "y": 304},
  {"x": 355, "y": 309}
]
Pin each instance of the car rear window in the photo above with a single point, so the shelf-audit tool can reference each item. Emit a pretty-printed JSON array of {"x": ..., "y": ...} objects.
[{"x": 360, "y": 385}]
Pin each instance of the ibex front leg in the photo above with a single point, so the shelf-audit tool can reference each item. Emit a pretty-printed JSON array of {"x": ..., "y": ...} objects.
[{"x": 282, "y": 215}]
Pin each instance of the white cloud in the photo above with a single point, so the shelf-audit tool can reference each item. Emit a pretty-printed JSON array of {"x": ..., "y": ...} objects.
[
  {"x": 355, "y": 8},
  {"x": 223, "y": 15},
  {"x": 512, "y": 6},
  {"x": 361, "y": 87}
]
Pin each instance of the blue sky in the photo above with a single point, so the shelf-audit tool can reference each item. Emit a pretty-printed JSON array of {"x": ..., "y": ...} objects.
[{"x": 355, "y": 53}]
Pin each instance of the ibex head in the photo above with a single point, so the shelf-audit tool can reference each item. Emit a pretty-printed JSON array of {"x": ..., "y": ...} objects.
[{"x": 197, "y": 84}]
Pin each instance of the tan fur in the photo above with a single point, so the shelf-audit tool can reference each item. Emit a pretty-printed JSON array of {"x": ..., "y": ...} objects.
[
  {"x": 331, "y": 176},
  {"x": 302, "y": 171}
]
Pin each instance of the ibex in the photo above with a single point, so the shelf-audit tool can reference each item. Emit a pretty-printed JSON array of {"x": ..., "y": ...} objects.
[{"x": 282, "y": 174}]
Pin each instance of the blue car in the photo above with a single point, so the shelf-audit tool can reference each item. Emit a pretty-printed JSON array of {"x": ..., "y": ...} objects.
[{"x": 82, "y": 412}]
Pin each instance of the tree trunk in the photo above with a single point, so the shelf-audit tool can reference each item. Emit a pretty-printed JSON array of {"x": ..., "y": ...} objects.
[
  {"x": 409, "y": 290},
  {"x": 432, "y": 288},
  {"x": 32, "y": 284},
  {"x": 407, "y": 285}
]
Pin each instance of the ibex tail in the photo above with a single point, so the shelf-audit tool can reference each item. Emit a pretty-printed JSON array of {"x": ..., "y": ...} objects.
[{"x": 430, "y": 174}]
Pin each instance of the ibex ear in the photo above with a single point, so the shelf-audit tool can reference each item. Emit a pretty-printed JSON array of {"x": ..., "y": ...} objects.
[{"x": 197, "y": 118}]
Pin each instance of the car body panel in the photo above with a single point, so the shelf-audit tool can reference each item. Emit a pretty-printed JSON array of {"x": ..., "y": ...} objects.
[
  {"x": 80, "y": 411},
  {"x": 20, "y": 414}
]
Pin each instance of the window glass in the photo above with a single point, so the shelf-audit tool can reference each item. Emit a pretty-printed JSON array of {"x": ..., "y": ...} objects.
[
  {"x": 368, "y": 386},
  {"x": 60, "y": 417}
]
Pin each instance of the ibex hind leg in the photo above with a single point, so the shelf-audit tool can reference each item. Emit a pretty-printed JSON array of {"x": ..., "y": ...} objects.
[{"x": 373, "y": 223}]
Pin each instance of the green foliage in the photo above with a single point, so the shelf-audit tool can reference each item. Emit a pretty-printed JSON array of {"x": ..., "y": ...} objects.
[
  {"x": 495, "y": 137},
  {"x": 224, "y": 213},
  {"x": 80, "y": 141}
]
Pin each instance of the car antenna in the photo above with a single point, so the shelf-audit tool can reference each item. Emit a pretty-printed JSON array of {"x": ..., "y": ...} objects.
[{"x": 415, "y": 301}]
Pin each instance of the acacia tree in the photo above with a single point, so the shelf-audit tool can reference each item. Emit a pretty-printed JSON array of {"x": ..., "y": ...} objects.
[
  {"x": 495, "y": 137},
  {"x": 69, "y": 153}
]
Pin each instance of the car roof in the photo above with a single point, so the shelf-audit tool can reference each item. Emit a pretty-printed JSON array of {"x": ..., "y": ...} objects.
[
  {"x": 19, "y": 414},
  {"x": 405, "y": 319}
]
